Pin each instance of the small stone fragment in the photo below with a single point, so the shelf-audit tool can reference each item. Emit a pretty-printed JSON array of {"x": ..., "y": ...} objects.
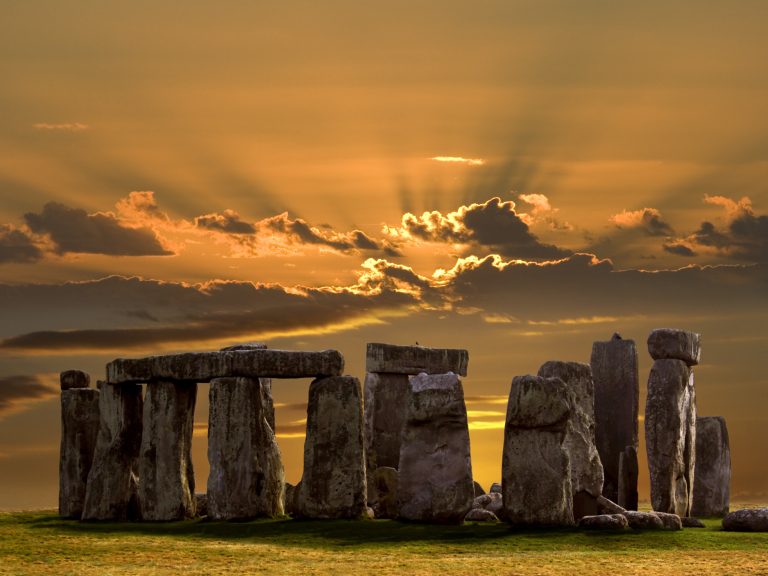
[
  {"x": 495, "y": 487},
  {"x": 603, "y": 522},
  {"x": 493, "y": 502},
  {"x": 74, "y": 379},
  {"x": 669, "y": 343},
  {"x": 480, "y": 515},
  {"x": 747, "y": 520}
]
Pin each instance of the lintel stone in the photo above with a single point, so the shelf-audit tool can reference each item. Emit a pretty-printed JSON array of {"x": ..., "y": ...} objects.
[{"x": 412, "y": 360}]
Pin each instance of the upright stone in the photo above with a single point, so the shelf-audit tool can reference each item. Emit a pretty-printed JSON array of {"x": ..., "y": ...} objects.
[
  {"x": 266, "y": 383},
  {"x": 435, "y": 470},
  {"x": 333, "y": 482},
  {"x": 386, "y": 397},
  {"x": 670, "y": 434},
  {"x": 586, "y": 469},
  {"x": 166, "y": 477},
  {"x": 113, "y": 480},
  {"x": 711, "y": 491},
  {"x": 79, "y": 429},
  {"x": 246, "y": 477},
  {"x": 628, "y": 473},
  {"x": 617, "y": 400},
  {"x": 535, "y": 468}
]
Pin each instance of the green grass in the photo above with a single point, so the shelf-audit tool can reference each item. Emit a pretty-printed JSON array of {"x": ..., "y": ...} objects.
[{"x": 42, "y": 543}]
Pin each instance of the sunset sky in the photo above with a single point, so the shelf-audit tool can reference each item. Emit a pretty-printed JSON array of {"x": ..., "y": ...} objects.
[{"x": 517, "y": 178}]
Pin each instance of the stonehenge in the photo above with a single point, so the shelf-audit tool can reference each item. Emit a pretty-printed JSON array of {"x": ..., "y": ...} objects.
[
  {"x": 617, "y": 400},
  {"x": 400, "y": 449}
]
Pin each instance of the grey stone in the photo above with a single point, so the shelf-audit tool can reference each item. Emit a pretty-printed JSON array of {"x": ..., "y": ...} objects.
[
  {"x": 166, "y": 476},
  {"x": 691, "y": 522},
  {"x": 670, "y": 521},
  {"x": 478, "y": 489},
  {"x": 333, "y": 484},
  {"x": 480, "y": 515},
  {"x": 266, "y": 383},
  {"x": 382, "y": 492},
  {"x": 435, "y": 470},
  {"x": 747, "y": 520},
  {"x": 536, "y": 479},
  {"x": 586, "y": 469},
  {"x": 606, "y": 506},
  {"x": 495, "y": 487},
  {"x": 113, "y": 479},
  {"x": 79, "y": 430},
  {"x": 201, "y": 504},
  {"x": 644, "y": 520},
  {"x": 290, "y": 494},
  {"x": 670, "y": 432},
  {"x": 669, "y": 343},
  {"x": 385, "y": 407},
  {"x": 195, "y": 367},
  {"x": 246, "y": 478},
  {"x": 711, "y": 491},
  {"x": 493, "y": 502},
  {"x": 617, "y": 400},
  {"x": 604, "y": 522},
  {"x": 628, "y": 473},
  {"x": 74, "y": 379},
  {"x": 413, "y": 360}
]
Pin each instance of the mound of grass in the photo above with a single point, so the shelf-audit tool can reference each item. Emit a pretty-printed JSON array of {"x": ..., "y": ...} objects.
[{"x": 42, "y": 543}]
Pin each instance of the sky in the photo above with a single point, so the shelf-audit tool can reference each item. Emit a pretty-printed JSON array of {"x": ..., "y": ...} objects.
[{"x": 516, "y": 178}]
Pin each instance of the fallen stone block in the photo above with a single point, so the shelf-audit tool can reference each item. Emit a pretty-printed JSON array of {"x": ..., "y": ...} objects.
[
  {"x": 603, "y": 522},
  {"x": 668, "y": 343},
  {"x": 412, "y": 360},
  {"x": 747, "y": 520},
  {"x": 644, "y": 520},
  {"x": 670, "y": 521},
  {"x": 480, "y": 515}
]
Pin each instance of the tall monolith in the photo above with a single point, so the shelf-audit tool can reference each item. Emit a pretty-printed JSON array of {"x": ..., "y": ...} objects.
[{"x": 711, "y": 490}]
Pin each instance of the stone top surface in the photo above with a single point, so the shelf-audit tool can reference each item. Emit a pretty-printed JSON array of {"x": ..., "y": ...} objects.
[
  {"x": 74, "y": 379},
  {"x": 670, "y": 343},
  {"x": 412, "y": 360},
  {"x": 566, "y": 371},
  {"x": 204, "y": 366},
  {"x": 535, "y": 402}
]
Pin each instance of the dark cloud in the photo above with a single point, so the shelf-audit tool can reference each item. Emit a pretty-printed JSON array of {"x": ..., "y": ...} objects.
[
  {"x": 228, "y": 221},
  {"x": 493, "y": 225},
  {"x": 648, "y": 220},
  {"x": 678, "y": 249},
  {"x": 74, "y": 230},
  {"x": 16, "y": 246},
  {"x": 15, "y": 391}
]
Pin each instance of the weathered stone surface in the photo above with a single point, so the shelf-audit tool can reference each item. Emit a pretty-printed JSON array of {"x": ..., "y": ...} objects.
[
  {"x": 691, "y": 522},
  {"x": 266, "y": 383},
  {"x": 604, "y": 522},
  {"x": 79, "y": 429},
  {"x": 413, "y": 360},
  {"x": 711, "y": 491},
  {"x": 385, "y": 407},
  {"x": 480, "y": 515},
  {"x": 643, "y": 520},
  {"x": 435, "y": 471},
  {"x": 333, "y": 484},
  {"x": 586, "y": 469},
  {"x": 669, "y": 343},
  {"x": 670, "y": 432},
  {"x": 606, "y": 506},
  {"x": 382, "y": 492},
  {"x": 246, "y": 478},
  {"x": 74, "y": 379},
  {"x": 113, "y": 479},
  {"x": 628, "y": 473},
  {"x": 204, "y": 366},
  {"x": 201, "y": 504},
  {"x": 166, "y": 477},
  {"x": 536, "y": 479},
  {"x": 495, "y": 487},
  {"x": 670, "y": 521},
  {"x": 290, "y": 494},
  {"x": 477, "y": 489},
  {"x": 617, "y": 400},
  {"x": 747, "y": 520},
  {"x": 493, "y": 502}
]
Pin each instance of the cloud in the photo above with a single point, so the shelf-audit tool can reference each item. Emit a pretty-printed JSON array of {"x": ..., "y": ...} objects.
[
  {"x": 228, "y": 222},
  {"x": 678, "y": 248},
  {"x": 16, "y": 392},
  {"x": 539, "y": 202},
  {"x": 494, "y": 225},
  {"x": 459, "y": 160},
  {"x": 140, "y": 205},
  {"x": 61, "y": 127},
  {"x": 648, "y": 220},
  {"x": 74, "y": 230},
  {"x": 542, "y": 211},
  {"x": 17, "y": 246}
]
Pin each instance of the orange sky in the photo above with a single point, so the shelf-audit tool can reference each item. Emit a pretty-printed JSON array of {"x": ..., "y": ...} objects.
[{"x": 517, "y": 178}]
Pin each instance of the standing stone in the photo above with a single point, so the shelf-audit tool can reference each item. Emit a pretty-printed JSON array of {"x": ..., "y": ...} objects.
[
  {"x": 586, "y": 469},
  {"x": 266, "y": 383},
  {"x": 166, "y": 477},
  {"x": 333, "y": 483},
  {"x": 628, "y": 473},
  {"x": 711, "y": 491},
  {"x": 113, "y": 482},
  {"x": 669, "y": 343},
  {"x": 246, "y": 477},
  {"x": 435, "y": 470},
  {"x": 670, "y": 433},
  {"x": 382, "y": 492},
  {"x": 617, "y": 400},
  {"x": 386, "y": 398},
  {"x": 535, "y": 469},
  {"x": 79, "y": 429}
]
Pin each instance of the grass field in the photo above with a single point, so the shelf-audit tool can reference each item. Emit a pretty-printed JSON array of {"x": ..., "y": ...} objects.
[{"x": 41, "y": 543}]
